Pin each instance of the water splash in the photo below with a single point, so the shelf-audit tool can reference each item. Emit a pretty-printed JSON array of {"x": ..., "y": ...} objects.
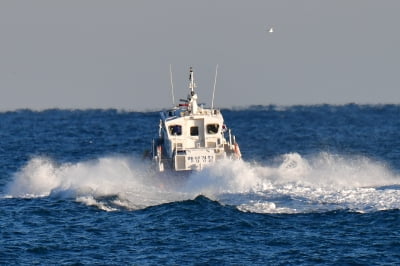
[
  {"x": 90, "y": 181},
  {"x": 294, "y": 184}
]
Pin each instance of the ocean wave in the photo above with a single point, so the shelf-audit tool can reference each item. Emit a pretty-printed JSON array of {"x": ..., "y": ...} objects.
[{"x": 294, "y": 184}]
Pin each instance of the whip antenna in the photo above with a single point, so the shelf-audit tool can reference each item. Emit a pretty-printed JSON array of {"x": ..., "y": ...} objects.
[
  {"x": 215, "y": 83},
  {"x": 172, "y": 84}
]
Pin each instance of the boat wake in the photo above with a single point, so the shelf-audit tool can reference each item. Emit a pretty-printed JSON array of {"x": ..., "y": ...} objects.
[{"x": 294, "y": 184}]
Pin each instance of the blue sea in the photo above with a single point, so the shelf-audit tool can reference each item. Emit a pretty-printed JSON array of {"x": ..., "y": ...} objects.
[{"x": 317, "y": 185}]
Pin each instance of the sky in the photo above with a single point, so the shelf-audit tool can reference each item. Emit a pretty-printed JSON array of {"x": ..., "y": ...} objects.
[{"x": 117, "y": 54}]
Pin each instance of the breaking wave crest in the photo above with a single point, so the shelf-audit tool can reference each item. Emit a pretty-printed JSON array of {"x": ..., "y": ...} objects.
[{"x": 294, "y": 184}]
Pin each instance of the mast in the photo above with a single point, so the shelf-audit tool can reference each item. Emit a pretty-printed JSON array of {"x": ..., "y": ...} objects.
[
  {"x": 192, "y": 85},
  {"x": 192, "y": 97}
]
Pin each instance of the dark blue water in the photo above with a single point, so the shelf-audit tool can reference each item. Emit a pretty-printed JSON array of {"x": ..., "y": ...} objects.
[{"x": 317, "y": 185}]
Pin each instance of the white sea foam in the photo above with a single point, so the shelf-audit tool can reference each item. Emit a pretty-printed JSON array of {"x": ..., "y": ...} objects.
[{"x": 295, "y": 184}]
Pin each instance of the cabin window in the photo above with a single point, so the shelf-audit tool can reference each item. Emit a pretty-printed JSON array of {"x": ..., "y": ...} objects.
[
  {"x": 175, "y": 130},
  {"x": 212, "y": 128},
  {"x": 194, "y": 131}
]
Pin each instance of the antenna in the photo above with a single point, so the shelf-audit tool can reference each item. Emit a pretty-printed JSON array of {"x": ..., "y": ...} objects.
[
  {"x": 215, "y": 83},
  {"x": 172, "y": 84}
]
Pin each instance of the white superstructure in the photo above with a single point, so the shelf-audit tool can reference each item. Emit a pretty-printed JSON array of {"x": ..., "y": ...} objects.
[{"x": 191, "y": 136}]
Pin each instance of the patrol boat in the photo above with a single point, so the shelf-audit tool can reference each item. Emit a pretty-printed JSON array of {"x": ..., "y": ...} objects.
[{"x": 191, "y": 136}]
